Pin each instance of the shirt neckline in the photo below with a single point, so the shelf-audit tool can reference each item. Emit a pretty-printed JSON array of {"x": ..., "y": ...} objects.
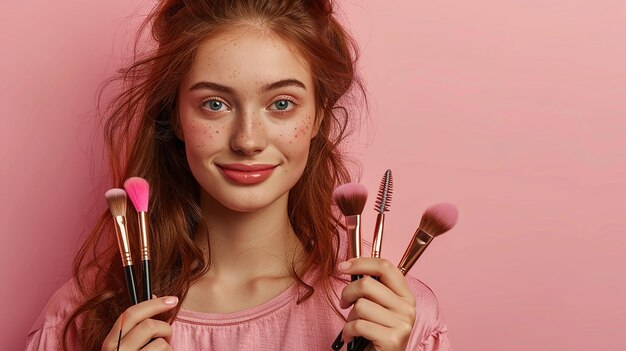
[
  {"x": 245, "y": 315},
  {"x": 274, "y": 304}
]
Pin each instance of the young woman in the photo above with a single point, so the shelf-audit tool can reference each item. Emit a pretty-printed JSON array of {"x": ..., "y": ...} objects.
[{"x": 235, "y": 118}]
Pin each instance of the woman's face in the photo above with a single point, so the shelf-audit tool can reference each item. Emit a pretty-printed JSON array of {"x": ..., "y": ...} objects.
[{"x": 247, "y": 116}]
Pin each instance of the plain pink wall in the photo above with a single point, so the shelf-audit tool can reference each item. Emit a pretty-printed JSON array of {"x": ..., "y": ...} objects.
[{"x": 513, "y": 110}]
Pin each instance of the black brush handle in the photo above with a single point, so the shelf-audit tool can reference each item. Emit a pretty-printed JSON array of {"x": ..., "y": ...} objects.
[
  {"x": 351, "y": 343},
  {"x": 147, "y": 284},
  {"x": 130, "y": 284},
  {"x": 338, "y": 343},
  {"x": 360, "y": 344}
]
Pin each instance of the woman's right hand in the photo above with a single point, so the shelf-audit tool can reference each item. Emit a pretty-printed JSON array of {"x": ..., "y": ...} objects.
[{"x": 139, "y": 328}]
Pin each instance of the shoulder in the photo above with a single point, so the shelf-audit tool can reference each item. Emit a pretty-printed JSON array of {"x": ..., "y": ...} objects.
[
  {"x": 48, "y": 328},
  {"x": 59, "y": 306},
  {"x": 425, "y": 300},
  {"x": 430, "y": 329}
]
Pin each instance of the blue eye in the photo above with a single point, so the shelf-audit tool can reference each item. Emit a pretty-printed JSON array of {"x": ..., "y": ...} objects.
[
  {"x": 213, "y": 105},
  {"x": 282, "y": 105}
]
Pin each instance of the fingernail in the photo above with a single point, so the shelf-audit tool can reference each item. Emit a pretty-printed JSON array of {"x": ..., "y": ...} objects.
[
  {"x": 344, "y": 265},
  {"x": 170, "y": 300},
  {"x": 154, "y": 296}
]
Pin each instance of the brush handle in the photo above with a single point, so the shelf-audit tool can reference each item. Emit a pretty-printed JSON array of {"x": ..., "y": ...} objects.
[
  {"x": 353, "y": 228},
  {"x": 130, "y": 284},
  {"x": 147, "y": 284},
  {"x": 360, "y": 344},
  {"x": 338, "y": 343}
]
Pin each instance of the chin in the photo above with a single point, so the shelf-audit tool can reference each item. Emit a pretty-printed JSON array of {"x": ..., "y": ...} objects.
[{"x": 244, "y": 200}]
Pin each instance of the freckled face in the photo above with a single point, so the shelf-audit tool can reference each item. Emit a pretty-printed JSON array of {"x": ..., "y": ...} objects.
[{"x": 247, "y": 116}]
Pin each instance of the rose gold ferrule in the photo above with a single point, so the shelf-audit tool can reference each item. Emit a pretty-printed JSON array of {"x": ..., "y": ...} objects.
[
  {"x": 353, "y": 227},
  {"x": 122, "y": 240},
  {"x": 378, "y": 235},
  {"x": 143, "y": 236},
  {"x": 418, "y": 244}
]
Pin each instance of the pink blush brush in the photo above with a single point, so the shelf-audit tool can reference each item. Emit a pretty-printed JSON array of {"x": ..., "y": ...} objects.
[
  {"x": 436, "y": 220},
  {"x": 351, "y": 198},
  {"x": 138, "y": 191}
]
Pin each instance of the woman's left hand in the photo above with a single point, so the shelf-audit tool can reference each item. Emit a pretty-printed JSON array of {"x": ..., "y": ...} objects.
[{"x": 383, "y": 311}]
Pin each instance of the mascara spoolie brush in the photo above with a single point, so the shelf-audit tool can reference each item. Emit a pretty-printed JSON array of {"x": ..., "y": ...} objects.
[{"x": 383, "y": 202}]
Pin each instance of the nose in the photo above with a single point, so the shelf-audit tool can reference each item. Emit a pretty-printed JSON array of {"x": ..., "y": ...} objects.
[{"x": 249, "y": 135}]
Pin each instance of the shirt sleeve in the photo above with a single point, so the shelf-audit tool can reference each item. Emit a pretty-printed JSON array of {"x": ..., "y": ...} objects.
[
  {"x": 47, "y": 331},
  {"x": 430, "y": 332}
]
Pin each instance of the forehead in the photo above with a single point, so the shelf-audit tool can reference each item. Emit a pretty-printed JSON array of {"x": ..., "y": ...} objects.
[{"x": 244, "y": 54}]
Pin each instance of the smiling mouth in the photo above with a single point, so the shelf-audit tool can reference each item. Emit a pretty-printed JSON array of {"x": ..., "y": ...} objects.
[{"x": 247, "y": 174}]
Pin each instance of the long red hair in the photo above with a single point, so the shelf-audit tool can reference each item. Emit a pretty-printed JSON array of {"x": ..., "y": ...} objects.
[{"x": 140, "y": 139}]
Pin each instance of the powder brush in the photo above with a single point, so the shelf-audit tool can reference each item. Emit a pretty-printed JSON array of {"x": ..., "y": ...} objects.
[
  {"x": 351, "y": 199},
  {"x": 116, "y": 198}
]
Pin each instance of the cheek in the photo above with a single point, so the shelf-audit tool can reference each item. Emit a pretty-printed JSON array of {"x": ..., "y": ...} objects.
[
  {"x": 297, "y": 141},
  {"x": 201, "y": 137},
  {"x": 302, "y": 130}
]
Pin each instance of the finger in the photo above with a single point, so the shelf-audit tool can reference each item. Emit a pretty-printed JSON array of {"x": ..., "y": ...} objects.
[
  {"x": 383, "y": 338},
  {"x": 145, "y": 331},
  {"x": 387, "y": 272},
  {"x": 134, "y": 315},
  {"x": 375, "y": 313},
  {"x": 375, "y": 291},
  {"x": 159, "y": 344}
]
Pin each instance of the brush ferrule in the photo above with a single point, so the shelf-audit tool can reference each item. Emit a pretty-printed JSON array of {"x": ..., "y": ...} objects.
[
  {"x": 143, "y": 236},
  {"x": 122, "y": 240},
  {"x": 378, "y": 235},
  {"x": 418, "y": 244},
  {"x": 353, "y": 227}
]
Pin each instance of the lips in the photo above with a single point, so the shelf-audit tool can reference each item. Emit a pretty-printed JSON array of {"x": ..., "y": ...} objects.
[{"x": 247, "y": 174}]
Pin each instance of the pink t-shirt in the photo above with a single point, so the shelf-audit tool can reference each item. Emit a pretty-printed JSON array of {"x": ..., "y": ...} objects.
[{"x": 279, "y": 324}]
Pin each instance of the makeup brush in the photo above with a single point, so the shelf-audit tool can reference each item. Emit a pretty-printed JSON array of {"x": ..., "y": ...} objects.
[
  {"x": 351, "y": 198},
  {"x": 435, "y": 221},
  {"x": 138, "y": 191},
  {"x": 117, "y": 205},
  {"x": 119, "y": 337},
  {"x": 383, "y": 202}
]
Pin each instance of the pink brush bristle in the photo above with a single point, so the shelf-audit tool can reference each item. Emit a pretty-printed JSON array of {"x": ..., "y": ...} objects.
[
  {"x": 438, "y": 219},
  {"x": 138, "y": 191},
  {"x": 350, "y": 198}
]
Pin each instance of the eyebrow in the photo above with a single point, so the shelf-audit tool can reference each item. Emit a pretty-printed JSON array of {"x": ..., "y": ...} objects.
[
  {"x": 212, "y": 86},
  {"x": 283, "y": 83},
  {"x": 267, "y": 87}
]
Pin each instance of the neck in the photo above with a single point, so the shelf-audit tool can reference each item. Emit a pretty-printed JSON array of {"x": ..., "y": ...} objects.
[{"x": 248, "y": 245}]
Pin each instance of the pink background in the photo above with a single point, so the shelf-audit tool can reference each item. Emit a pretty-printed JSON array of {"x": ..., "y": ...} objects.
[{"x": 513, "y": 110}]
